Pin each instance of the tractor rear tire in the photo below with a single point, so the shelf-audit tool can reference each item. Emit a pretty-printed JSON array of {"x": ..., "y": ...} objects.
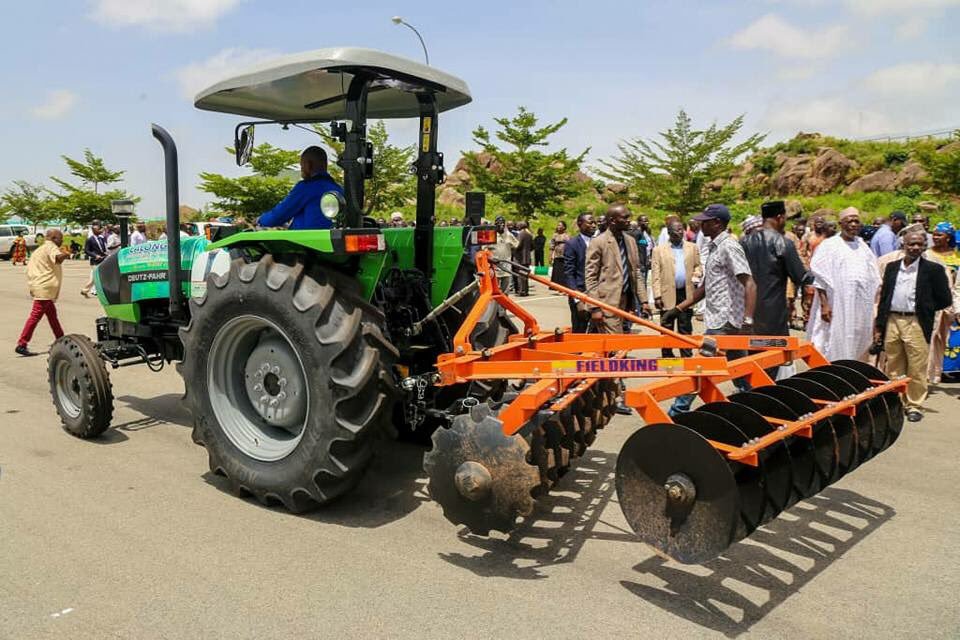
[
  {"x": 80, "y": 386},
  {"x": 306, "y": 436}
]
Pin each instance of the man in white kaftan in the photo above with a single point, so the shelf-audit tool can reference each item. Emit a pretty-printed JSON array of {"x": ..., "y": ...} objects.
[{"x": 846, "y": 281}]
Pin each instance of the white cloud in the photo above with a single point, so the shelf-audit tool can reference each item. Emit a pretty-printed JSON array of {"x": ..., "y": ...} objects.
[
  {"x": 911, "y": 28},
  {"x": 162, "y": 15},
  {"x": 773, "y": 33},
  {"x": 197, "y": 76},
  {"x": 57, "y": 105},
  {"x": 890, "y": 7},
  {"x": 914, "y": 79},
  {"x": 830, "y": 116}
]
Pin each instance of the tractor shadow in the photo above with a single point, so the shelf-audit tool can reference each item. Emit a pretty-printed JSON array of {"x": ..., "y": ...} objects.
[
  {"x": 562, "y": 522},
  {"x": 392, "y": 487},
  {"x": 158, "y": 410},
  {"x": 734, "y": 591}
]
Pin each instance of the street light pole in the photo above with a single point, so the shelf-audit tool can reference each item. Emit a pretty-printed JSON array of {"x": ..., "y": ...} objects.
[{"x": 398, "y": 20}]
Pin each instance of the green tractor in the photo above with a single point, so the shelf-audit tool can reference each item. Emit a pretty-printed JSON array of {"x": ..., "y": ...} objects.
[{"x": 297, "y": 348}]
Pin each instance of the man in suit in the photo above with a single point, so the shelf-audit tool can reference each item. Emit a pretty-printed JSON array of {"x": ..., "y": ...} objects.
[
  {"x": 674, "y": 265},
  {"x": 611, "y": 274},
  {"x": 96, "y": 250},
  {"x": 521, "y": 255},
  {"x": 574, "y": 260},
  {"x": 612, "y": 271},
  {"x": 913, "y": 290}
]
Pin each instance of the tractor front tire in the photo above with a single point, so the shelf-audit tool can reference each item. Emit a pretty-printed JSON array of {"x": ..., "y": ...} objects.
[
  {"x": 80, "y": 386},
  {"x": 289, "y": 378}
]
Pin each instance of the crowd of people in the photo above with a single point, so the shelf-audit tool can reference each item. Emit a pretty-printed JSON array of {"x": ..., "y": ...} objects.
[{"x": 881, "y": 292}]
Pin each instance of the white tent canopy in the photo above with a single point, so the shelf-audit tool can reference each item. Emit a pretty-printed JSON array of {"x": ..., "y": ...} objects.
[{"x": 312, "y": 86}]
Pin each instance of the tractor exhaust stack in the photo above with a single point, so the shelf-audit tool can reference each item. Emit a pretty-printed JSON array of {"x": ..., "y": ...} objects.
[{"x": 172, "y": 180}]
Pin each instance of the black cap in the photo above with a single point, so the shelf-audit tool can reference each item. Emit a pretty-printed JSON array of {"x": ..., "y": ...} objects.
[
  {"x": 500, "y": 219},
  {"x": 714, "y": 212},
  {"x": 96, "y": 223},
  {"x": 773, "y": 209},
  {"x": 898, "y": 215}
]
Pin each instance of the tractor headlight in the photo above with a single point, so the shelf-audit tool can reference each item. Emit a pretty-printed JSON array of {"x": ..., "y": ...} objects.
[{"x": 331, "y": 204}]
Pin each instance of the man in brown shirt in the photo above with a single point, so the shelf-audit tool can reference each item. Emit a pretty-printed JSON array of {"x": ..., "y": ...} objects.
[
  {"x": 44, "y": 276},
  {"x": 612, "y": 271}
]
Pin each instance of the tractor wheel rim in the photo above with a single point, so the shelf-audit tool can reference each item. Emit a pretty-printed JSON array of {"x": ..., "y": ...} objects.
[
  {"x": 68, "y": 389},
  {"x": 258, "y": 389}
]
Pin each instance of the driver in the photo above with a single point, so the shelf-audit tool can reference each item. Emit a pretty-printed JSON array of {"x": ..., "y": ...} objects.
[{"x": 301, "y": 207}]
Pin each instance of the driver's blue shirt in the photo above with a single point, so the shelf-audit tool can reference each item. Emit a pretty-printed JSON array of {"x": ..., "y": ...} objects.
[{"x": 301, "y": 207}]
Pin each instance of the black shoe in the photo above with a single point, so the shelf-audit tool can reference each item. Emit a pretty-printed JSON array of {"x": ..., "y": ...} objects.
[
  {"x": 23, "y": 351},
  {"x": 623, "y": 409},
  {"x": 914, "y": 416}
]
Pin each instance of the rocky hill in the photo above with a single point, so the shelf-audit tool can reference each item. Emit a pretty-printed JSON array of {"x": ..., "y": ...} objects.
[{"x": 810, "y": 167}]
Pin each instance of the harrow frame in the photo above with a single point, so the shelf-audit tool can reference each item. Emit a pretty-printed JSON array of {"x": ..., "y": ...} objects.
[
  {"x": 689, "y": 486},
  {"x": 563, "y": 364}
]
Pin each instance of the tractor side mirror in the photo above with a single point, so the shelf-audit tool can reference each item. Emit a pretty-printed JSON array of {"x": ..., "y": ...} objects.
[{"x": 243, "y": 145}]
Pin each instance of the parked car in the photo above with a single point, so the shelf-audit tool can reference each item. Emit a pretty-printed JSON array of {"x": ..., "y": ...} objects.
[{"x": 10, "y": 231}]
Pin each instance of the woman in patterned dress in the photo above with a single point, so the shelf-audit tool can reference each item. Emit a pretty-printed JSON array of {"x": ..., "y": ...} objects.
[
  {"x": 945, "y": 340},
  {"x": 18, "y": 255}
]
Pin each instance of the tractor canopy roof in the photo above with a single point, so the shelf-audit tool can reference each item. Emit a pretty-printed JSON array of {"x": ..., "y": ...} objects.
[{"x": 312, "y": 86}]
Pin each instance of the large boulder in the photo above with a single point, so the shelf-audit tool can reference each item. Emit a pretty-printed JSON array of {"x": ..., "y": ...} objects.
[
  {"x": 912, "y": 173},
  {"x": 927, "y": 207},
  {"x": 791, "y": 174},
  {"x": 793, "y": 207},
  {"x": 828, "y": 172},
  {"x": 450, "y": 196},
  {"x": 883, "y": 180}
]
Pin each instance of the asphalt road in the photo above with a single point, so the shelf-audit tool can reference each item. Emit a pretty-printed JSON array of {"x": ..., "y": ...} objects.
[{"x": 129, "y": 536}]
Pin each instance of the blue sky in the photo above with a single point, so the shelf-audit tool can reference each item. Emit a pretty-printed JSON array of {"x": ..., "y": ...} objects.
[{"x": 95, "y": 73}]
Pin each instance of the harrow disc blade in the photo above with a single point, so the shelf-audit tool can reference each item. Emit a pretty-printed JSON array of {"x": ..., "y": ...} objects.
[
  {"x": 677, "y": 492},
  {"x": 872, "y": 441},
  {"x": 749, "y": 479},
  {"x": 805, "y": 480},
  {"x": 478, "y": 475},
  {"x": 778, "y": 472},
  {"x": 826, "y": 451},
  {"x": 848, "y": 432},
  {"x": 895, "y": 410}
]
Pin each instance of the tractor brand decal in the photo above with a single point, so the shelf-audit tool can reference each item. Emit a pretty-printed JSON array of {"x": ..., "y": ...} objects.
[
  {"x": 425, "y": 129},
  {"x": 617, "y": 365},
  {"x": 146, "y": 276}
]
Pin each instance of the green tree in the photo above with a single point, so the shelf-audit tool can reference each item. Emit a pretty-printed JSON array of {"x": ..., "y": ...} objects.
[
  {"x": 252, "y": 195},
  {"x": 672, "y": 173},
  {"x": 943, "y": 165},
  {"x": 29, "y": 202},
  {"x": 392, "y": 185},
  {"x": 92, "y": 172},
  {"x": 522, "y": 174},
  {"x": 82, "y": 203}
]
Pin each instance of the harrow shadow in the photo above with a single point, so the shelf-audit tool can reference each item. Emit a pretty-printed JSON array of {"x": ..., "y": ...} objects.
[
  {"x": 555, "y": 533},
  {"x": 392, "y": 487},
  {"x": 736, "y": 590}
]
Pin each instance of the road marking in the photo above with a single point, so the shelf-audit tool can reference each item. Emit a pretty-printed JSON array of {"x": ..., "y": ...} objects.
[{"x": 62, "y": 612}]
